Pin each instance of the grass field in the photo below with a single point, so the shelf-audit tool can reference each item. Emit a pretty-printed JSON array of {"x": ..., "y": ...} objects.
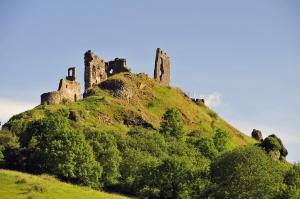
[{"x": 15, "y": 185}]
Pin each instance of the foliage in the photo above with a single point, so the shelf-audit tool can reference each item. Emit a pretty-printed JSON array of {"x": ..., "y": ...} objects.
[
  {"x": 107, "y": 153},
  {"x": 172, "y": 124},
  {"x": 221, "y": 139},
  {"x": 246, "y": 173},
  {"x": 50, "y": 146},
  {"x": 89, "y": 142},
  {"x": 271, "y": 144},
  {"x": 293, "y": 176}
]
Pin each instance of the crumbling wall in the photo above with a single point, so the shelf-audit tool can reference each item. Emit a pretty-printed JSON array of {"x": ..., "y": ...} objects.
[
  {"x": 97, "y": 70},
  {"x": 69, "y": 89},
  {"x": 162, "y": 68},
  {"x": 119, "y": 65},
  {"x": 94, "y": 70}
]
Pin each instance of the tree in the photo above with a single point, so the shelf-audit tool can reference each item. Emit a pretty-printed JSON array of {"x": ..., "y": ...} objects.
[
  {"x": 207, "y": 147},
  {"x": 221, "y": 139},
  {"x": 172, "y": 124},
  {"x": 52, "y": 146},
  {"x": 174, "y": 177},
  {"x": 246, "y": 172},
  {"x": 107, "y": 153}
]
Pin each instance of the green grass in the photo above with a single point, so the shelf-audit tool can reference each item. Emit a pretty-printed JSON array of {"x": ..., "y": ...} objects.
[
  {"x": 17, "y": 185},
  {"x": 105, "y": 112}
]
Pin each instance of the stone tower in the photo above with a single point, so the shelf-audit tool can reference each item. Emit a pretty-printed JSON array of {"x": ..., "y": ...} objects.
[
  {"x": 68, "y": 89},
  {"x": 162, "y": 68},
  {"x": 97, "y": 70},
  {"x": 94, "y": 70}
]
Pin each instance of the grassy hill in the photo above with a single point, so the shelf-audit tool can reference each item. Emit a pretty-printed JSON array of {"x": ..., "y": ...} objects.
[
  {"x": 17, "y": 185},
  {"x": 127, "y": 100},
  {"x": 127, "y": 136}
]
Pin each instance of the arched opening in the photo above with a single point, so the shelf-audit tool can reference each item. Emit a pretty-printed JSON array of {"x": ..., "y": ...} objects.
[{"x": 161, "y": 69}]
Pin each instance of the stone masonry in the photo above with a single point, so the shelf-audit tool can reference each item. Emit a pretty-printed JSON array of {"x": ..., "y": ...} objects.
[
  {"x": 94, "y": 70},
  {"x": 162, "y": 68},
  {"x": 69, "y": 89},
  {"x": 97, "y": 70}
]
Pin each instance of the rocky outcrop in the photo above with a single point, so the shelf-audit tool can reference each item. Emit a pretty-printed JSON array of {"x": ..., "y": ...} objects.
[
  {"x": 117, "y": 88},
  {"x": 256, "y": 134},
  {"x": 273, "y": 144}
]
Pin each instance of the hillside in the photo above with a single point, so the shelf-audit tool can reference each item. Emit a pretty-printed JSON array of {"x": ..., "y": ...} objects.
[
  {"x": 17, "y": 185},
  {"x": 131, "y": 135},
  {"x": 126, "y": 100}
]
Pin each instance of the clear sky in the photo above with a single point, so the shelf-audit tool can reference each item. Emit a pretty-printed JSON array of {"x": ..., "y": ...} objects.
[{"x": 242, "y": 56}]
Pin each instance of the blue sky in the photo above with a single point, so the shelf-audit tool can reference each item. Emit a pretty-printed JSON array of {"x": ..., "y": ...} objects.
[{"x": 243, "y": 56}]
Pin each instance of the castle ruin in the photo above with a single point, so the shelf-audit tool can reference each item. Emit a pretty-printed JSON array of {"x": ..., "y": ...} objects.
[
  {"x": 97, "y": 70},
  {"x": 162, "y": 68},
  {"x": 69, "y": 89}
]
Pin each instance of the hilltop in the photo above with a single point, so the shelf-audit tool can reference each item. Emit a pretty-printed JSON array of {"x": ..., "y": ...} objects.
[{"x": 126, "y": 100}]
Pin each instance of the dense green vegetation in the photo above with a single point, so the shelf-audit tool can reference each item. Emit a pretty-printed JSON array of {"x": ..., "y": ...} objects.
[{"x": 157, "y": 144}]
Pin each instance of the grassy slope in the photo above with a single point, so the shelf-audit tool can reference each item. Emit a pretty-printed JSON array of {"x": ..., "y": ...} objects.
[
  {"x": 17, "y": 185},
  {"x": 149, "y": 101}
]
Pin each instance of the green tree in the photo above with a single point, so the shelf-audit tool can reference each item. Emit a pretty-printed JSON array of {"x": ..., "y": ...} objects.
[
  {"x": 246, "y": 172},
  {"x": 175, "y": 177},
  {"x": 221, "y": 140},
  {"x": 52, "y": 146},
  {"x": 107, "y": 153},
  {"x": 172, "y": 124},
  {"x": 207, "y": 147}
]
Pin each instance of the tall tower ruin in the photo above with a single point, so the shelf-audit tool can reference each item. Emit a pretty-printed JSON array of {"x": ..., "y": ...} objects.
[
  {"x": 162, "y": 68},
  {"x": 94, "y": 70}
]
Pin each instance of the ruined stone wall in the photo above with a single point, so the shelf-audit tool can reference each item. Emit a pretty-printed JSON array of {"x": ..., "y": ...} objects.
[
  {"x": 94, "y": 70},
  {"x": 69, "y": 89},
  {"x": 97, "y": 70},
  {"x": 116, "y": 66},
  {"x": 162, "y": 68}
]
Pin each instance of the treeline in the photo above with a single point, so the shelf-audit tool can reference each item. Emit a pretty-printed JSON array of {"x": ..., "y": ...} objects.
[{"x": 149, "y": 163}]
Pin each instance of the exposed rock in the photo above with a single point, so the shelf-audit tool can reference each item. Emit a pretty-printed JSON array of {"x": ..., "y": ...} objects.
[
  {"x": 256, "y": 134},
  {"x": 73, "y": 116},
  {"x": 273, "y": 143},
  {"x": 142, "y": 86},
  {"x": 117, "y": 88},
  {"x": 198, "y": 101},
  {"x": 131, "y": 119}
]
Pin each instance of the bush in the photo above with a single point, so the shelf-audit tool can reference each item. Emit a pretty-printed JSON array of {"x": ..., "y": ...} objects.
[
  {"x": 246, "y": 172},
  {"x": 221, "y": 140},
  {"x": 174, "y": 177},
  {"x": 172, "y": 124},
  {"x": 52, "y": 146},
  {"x": 106, "y": 152},
  {"x": 207, "y": 147}
]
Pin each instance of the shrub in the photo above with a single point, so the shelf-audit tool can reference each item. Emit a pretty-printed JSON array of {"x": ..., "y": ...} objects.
[
  {"x": 52, "y": 146},
  {"x": 106, "y": 152},
  {"x": 221, "y": 139},
  {"x": 172, "y": 124},
  {"x": 246, "y": 172}
]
